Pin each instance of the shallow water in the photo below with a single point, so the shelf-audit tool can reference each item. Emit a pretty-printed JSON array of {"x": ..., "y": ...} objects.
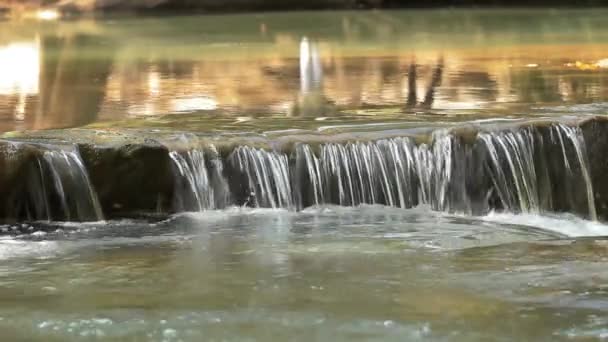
[{"x": 337, "y": 273}]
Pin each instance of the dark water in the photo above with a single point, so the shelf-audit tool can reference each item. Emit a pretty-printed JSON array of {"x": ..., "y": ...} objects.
[{"x": 328, "y": 273}]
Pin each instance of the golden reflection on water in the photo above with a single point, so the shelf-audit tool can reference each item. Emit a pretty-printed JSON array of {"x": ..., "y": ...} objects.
[
  {"x": 19, "y": 69},
  {"x": 70, "y": 74}
]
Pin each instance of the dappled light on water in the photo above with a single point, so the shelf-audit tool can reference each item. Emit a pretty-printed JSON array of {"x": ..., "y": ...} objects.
[{"x": 262, "y": 67}]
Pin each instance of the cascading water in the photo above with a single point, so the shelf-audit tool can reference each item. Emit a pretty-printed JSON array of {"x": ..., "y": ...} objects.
[
  {"x": 200, "y": 184},
  {"x": 528, "y": 170},
  {"x": 267, "y": 176},
  {"x": 58, "y": 188},
  {"x": 394, "y": 172}
]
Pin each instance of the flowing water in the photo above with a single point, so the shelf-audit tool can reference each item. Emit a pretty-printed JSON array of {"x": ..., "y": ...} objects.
[
  {"x": 405, "y": 175},
  {"x": 339, "y": 273}
]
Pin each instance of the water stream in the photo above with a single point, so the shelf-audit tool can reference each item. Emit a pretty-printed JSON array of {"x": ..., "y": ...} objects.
[
  {"x": 386, "y": 175},
  {"x": 57, "y": 185},
  {"x": 514, "y": 170}
]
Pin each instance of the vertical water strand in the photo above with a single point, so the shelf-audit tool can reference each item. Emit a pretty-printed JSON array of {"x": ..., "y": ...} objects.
[
  {"x": 256, "y": 158},
  {"x": 368, "y": 180},
  {"x": 404, "y": 154},
  {"x": 442, "y": 151},
  {"x": 385, "y": 181},
  {"x": 337, "y": 172},
  {"x": 191, "y": 170},
  {"x": 395, "y": 168},
  {"x": 268, "y": 176},
  {"x": 279, "y": 166},
  {"x": 52, "y": 162},
  {"x": 343, "y": 155},
  {"x": 44, "y": 195},
  {"x": 308, "y": 162},
  {"x": 79, "y": 171},
  {"x": 556, "y": 136},
  {"x": 256, "y": 178},
  {"x": 359, "y": 171},
  {"x": 575, "y": 136},
  {"x": 523, "y": 141},
  {"x": 219, "y": 184},
  {"x": 379, "y": 172},
  {"x": 331, "y": 172},
  {"x": 70, "y": 184},
  {"x": 519, "y": 154},
  {"x": 497, "y": 174},
  {"x": 424, "y": 165},
  {"x": 407, "y": 148}
]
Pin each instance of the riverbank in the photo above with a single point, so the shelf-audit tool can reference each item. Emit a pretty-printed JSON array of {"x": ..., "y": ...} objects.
[{"x": 56, "y": 8}]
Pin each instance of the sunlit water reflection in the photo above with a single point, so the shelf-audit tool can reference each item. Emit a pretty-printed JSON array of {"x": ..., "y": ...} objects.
[{"x": 315, "y": 65}]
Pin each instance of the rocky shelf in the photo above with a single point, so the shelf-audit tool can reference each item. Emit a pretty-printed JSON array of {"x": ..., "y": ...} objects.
[{"x": 520, "y": 166}]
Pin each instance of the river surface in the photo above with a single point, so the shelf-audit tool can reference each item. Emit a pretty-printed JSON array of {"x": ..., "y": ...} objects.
[
  {"x": 257, "y": 68},
  {"x": 323, "y": 273},
  {"x": 329, "y": 273}
]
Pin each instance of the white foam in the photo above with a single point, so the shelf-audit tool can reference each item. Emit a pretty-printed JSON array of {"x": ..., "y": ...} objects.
[
  {"x": 13, "y": 248},
  {"x": 566, "y": 224}
]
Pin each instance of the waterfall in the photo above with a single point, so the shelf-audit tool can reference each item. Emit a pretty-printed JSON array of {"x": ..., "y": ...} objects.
[
  {"x": 529, "y": 169},
  {"x": 200, "y": 184},
  {"x": 515, "y": 182},
  {"x": 394, "y": 172},
  {"x": 58, "y": 187},
  {"x": 307, "y": 171},
  {"x": 267, "y": 174},
  {"x": 523, "y": 174}
]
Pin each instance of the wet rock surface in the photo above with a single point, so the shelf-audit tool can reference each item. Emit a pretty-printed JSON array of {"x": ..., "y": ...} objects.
[
  {"x": 596, "y": 141},
  {"x": 130, "y": 179}
]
